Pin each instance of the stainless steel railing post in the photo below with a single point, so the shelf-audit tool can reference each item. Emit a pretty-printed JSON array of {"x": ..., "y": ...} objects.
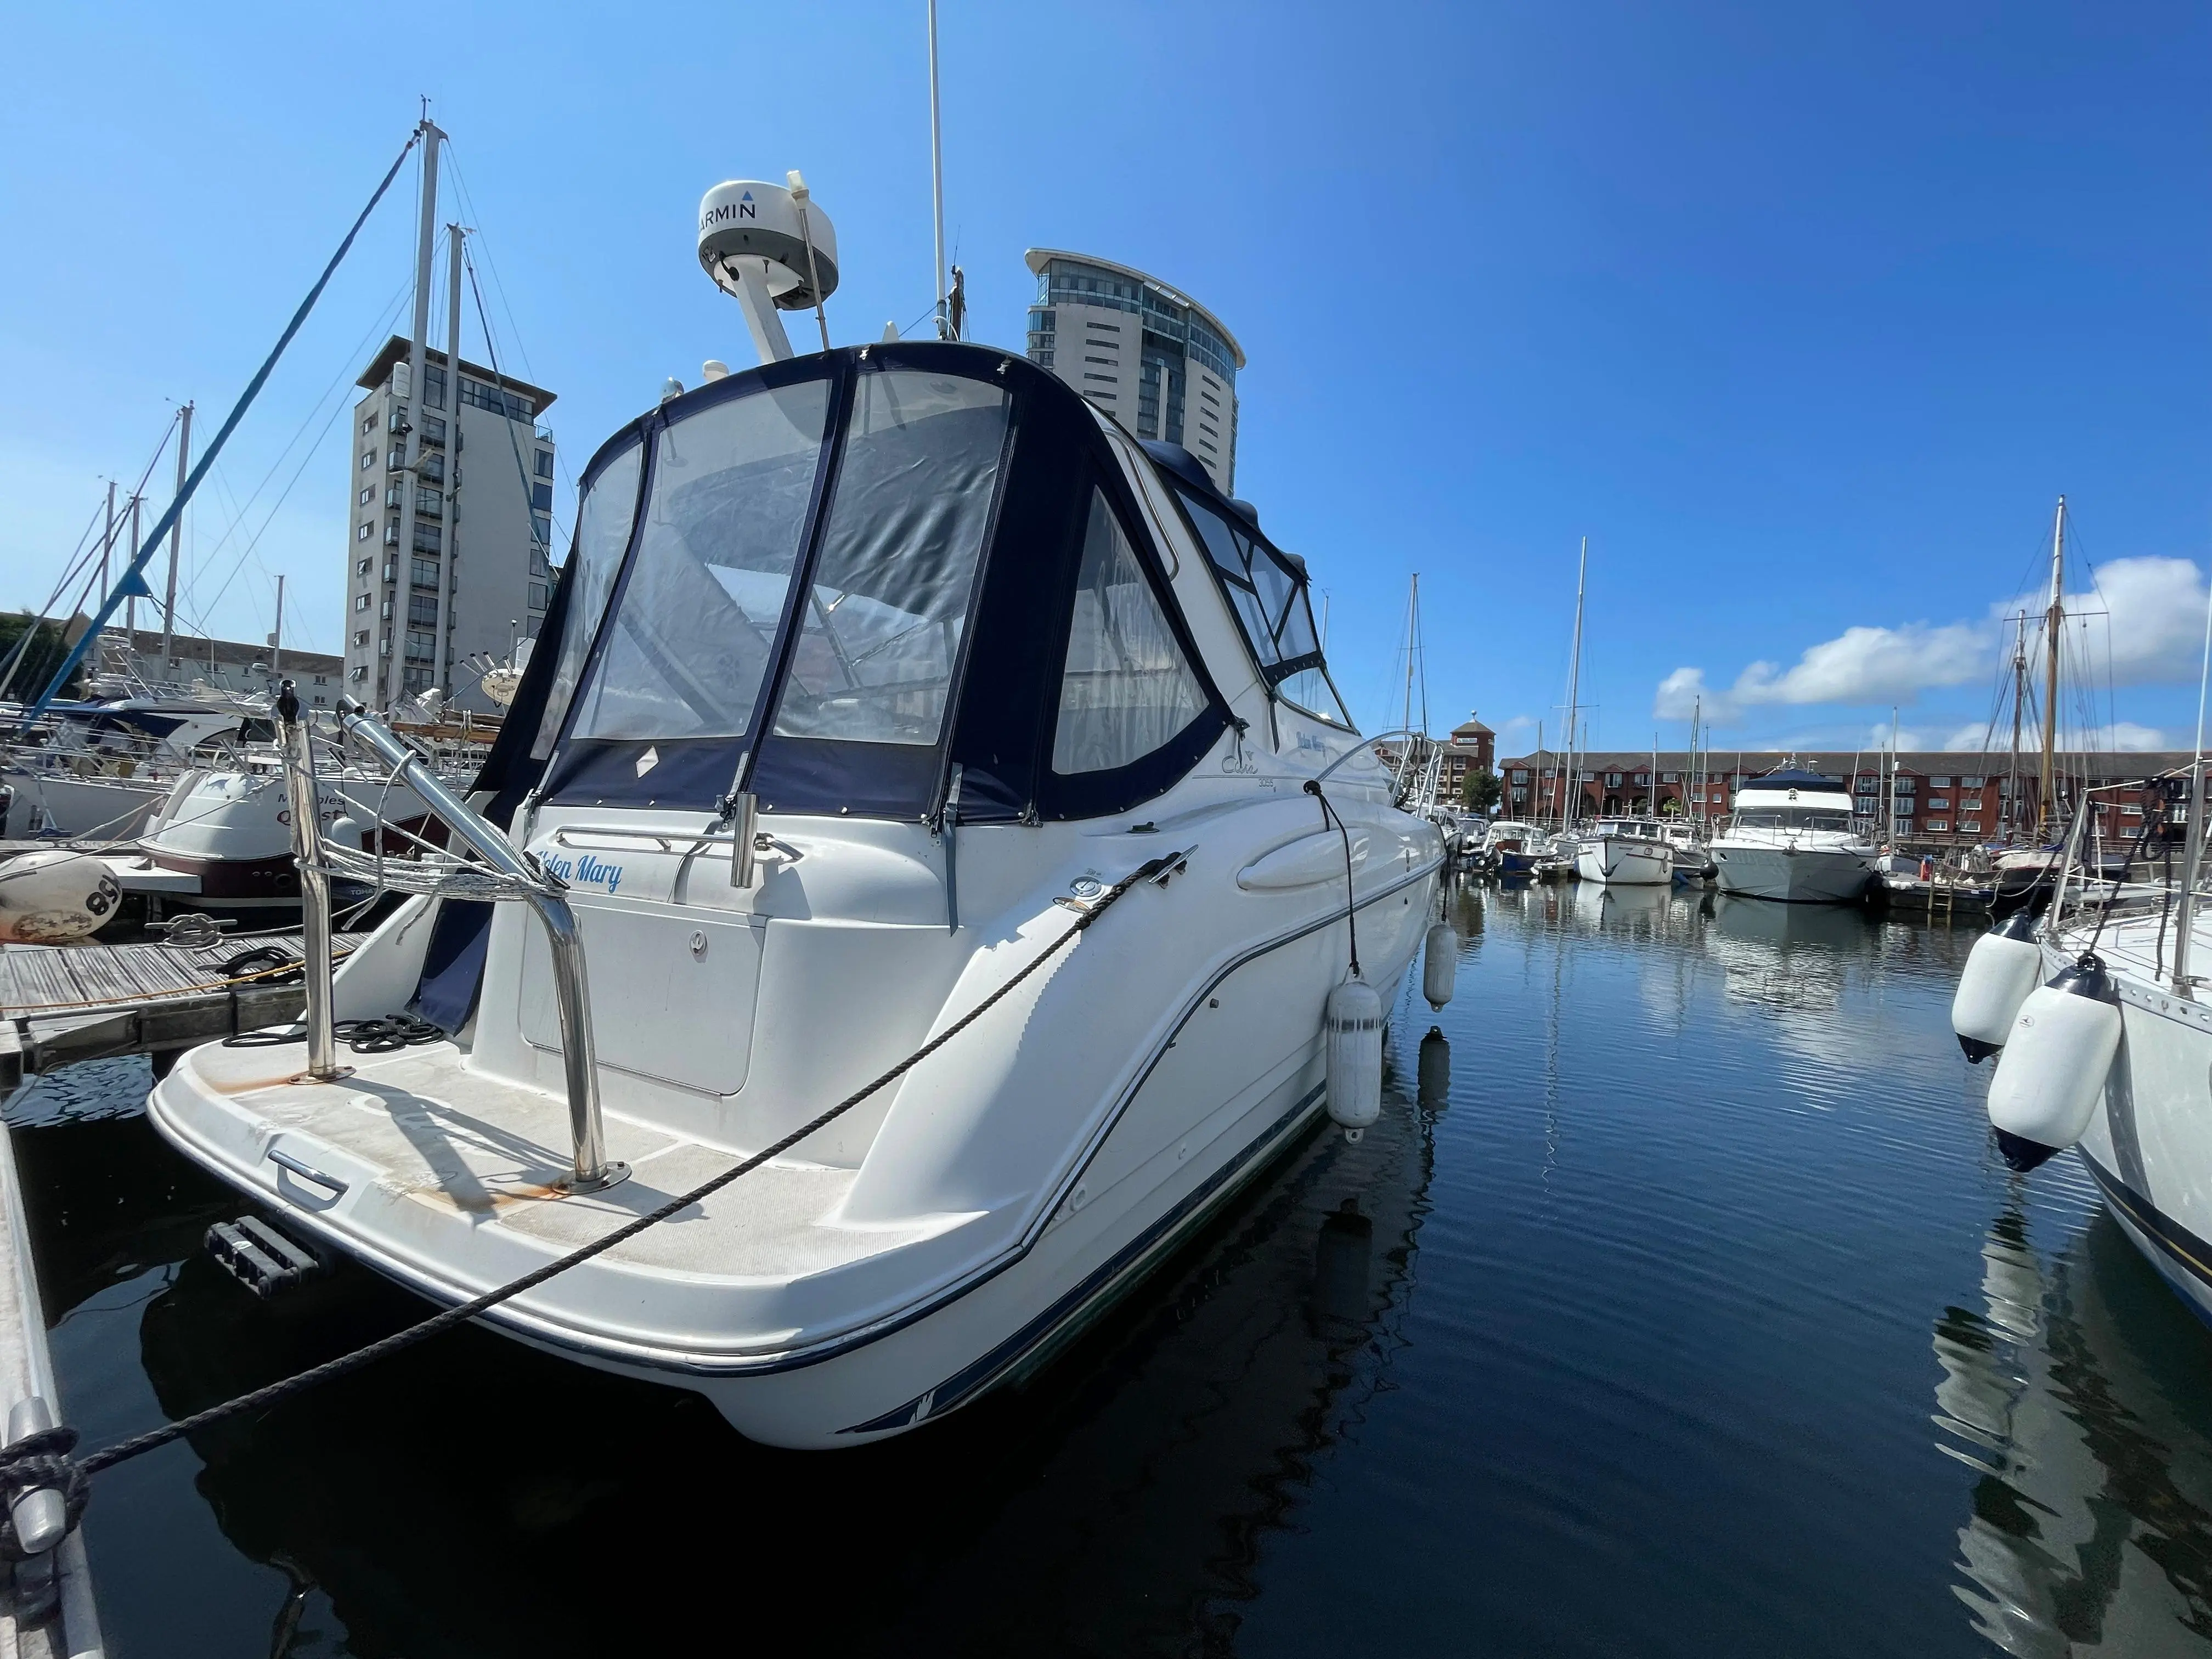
[
  {"x": 314, "y": 884},
  {"x": 589, "y": 1170}
]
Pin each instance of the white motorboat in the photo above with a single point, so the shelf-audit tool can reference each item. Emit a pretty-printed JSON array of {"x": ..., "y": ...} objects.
[
  {"x": 99, "y": 770},
  {"x": 52, "y": 802},
  {"x": 1512, "y": 847},
  {"x": 1791, "y": 839},
  {"x": 874, "y": 667},
  {"x": 1625, "y": 852},
  {"x": 221, "y": 841}
]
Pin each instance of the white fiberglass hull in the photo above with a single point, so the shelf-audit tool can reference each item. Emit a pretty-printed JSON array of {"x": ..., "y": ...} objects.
[
  {"x": 59, "y": 805},
  {"x": 1796, "y": 875},
  {"x": 1625, "y": 861},
  {"x": 2149, "y": 1145},
  {"x": 806, "y": 1321}
]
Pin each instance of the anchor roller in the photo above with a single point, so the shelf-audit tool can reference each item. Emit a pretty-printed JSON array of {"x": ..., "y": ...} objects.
[
  {"x": 2051, "y": 1074},
  {"x": 2003, "y": 967}
]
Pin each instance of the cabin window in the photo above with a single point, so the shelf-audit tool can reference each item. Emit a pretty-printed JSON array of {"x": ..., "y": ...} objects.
[
  {"x": 1792, "y": 817},
  {"x": 603, "y": 528},
  {"x": 689, "y": 645},
  {"x": 1267, "y": 592},
  {"x": 1126, "y": 688},
  {"x": 880, "y": 634}
]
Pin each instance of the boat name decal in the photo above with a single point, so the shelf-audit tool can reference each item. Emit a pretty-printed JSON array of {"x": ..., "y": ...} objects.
[{"x": 585, "y": 871}]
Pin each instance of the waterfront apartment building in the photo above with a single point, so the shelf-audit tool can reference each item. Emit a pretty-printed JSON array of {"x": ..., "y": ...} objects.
[
  {"x": 482, "y": 516},
  {"x": 1153, "y": 358},
  {"x": 1939, "y": 797}
]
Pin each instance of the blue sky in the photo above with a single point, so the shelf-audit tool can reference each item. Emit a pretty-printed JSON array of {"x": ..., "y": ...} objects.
[{"x": 1803, "y": 315}]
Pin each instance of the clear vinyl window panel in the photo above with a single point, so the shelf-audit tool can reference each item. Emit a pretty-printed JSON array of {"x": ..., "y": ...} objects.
[
  {"x": 602, "y": 527},
  {"x": 1126, "y": 688},
  {"x": 880, "y": 627},
  {"x": 1267, "y": 592},
  {"x": 689, "y": 643}
]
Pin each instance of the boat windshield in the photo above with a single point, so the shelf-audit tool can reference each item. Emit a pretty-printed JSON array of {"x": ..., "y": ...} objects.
[
  {"x": 1266, "y": 590},
  {"x": 722, "y": 534},
  {"x": 1792, "y": 817}
]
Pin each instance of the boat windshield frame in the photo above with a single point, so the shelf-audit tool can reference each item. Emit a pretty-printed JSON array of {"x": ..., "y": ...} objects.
[
  {"x": 1017, "y": 519},
  {"x": 1193, "y": 492}
]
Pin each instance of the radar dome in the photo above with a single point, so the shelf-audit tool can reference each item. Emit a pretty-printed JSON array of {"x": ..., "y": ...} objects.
[{"x": 750, "y": 219}]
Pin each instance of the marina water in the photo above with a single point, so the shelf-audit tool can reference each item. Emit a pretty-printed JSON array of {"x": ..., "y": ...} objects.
[{"x": 1694, "y": 1315}]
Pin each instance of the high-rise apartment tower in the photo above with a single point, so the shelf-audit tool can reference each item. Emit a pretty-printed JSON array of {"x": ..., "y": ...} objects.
[
  {"x": 1154, "y": 358},
  {"x": 489, "y": 540}
]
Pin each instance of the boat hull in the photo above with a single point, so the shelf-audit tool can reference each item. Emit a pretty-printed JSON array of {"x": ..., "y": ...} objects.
[
  {"x": 1792, "y": 875},
  {"x": 69, "y": 807},
  {"x": 2149, "y": 1147},
  {"x": 806, "y": 1320},
  {"x": 1626, "y": 861}
]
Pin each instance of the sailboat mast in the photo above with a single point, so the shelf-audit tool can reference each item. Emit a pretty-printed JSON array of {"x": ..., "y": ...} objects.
[
  {"x": 418, "y": 404},
  {"x": 2019, "y": 711},
  {"x": 1574, "y": 690},
  {"x": 2053, "y": 620},
  {"x": 176, "y": 540},
  {"x": 1697, "y": 782}
]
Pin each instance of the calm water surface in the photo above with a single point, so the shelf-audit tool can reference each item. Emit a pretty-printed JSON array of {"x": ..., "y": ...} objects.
[{"x": 1694, "y": 1315}]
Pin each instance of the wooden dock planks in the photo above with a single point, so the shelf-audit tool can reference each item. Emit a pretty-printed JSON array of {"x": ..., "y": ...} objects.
[{"x": 63, "y": 1002}]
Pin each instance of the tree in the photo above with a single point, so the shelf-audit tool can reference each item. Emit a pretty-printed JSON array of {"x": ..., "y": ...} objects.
[
  {"x": 31, "y": 671},
  {"x": 1481, "y": 791}
]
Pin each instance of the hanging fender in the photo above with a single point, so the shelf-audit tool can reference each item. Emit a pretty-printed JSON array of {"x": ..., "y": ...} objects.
[
  {"x": 2003, "y": 967},
  {"x": 2051, "y": 1078}
]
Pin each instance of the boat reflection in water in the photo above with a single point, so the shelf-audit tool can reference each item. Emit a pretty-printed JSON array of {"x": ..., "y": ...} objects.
[
  {"x": 2078, "y": 1393},
  {"x": 1116, "y": 1502}
]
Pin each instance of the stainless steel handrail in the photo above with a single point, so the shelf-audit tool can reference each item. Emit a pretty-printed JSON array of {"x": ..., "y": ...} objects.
[
  {"x": 505, "y": 874},
  {"x": 314, "y": 883}
]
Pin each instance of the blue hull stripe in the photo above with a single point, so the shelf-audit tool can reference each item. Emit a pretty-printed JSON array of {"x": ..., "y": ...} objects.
[{"x": 2187, "y": 1251}]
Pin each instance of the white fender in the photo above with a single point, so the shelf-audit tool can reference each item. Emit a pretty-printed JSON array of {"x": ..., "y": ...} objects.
[
  {"x": 1439, "y": 964},
  {"x": 1353, "y": 1025},
  {"x": 2003, "y": 967},
  {"x": 2052, "y": 1076},
  {"x": 52, "y": 897}
]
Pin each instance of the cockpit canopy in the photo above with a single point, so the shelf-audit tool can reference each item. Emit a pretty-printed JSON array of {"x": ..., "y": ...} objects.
[{"x": 861, "y": 581}]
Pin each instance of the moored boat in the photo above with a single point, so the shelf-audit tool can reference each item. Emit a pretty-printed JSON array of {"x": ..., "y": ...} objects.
[
  {"x": 1625, "y": 852},
  {"x": 874, "y": 671},
  {"x": 1791, "y": 839}
]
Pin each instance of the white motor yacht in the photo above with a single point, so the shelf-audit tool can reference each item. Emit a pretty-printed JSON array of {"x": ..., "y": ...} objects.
[
  {"x": 871, "y": 669},
  {"x": 1626, "y": 852},
  {"x": 1791, "y": 839}
]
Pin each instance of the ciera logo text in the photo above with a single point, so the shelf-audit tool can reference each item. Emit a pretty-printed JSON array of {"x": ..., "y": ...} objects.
[
  {"x": 585, "y": 871},
  {"x": 744, "y": 208}
]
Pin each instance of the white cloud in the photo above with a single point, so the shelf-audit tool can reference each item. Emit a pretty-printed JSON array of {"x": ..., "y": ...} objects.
[
  {"x": 2142, "y": 623},
  {"x": 1861, "y": 664},
  {"x": 2153, "y": 624}
]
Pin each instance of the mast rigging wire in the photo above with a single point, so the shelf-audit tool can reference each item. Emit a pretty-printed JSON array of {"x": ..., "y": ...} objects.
[{"x": 134, "y": 571}]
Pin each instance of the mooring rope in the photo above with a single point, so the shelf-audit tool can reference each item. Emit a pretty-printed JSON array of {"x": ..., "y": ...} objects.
[{"x": 44, "y": 1458}]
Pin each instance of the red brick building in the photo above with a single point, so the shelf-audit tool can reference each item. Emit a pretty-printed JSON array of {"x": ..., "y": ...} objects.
[{"x": 1940, "y": 797}]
